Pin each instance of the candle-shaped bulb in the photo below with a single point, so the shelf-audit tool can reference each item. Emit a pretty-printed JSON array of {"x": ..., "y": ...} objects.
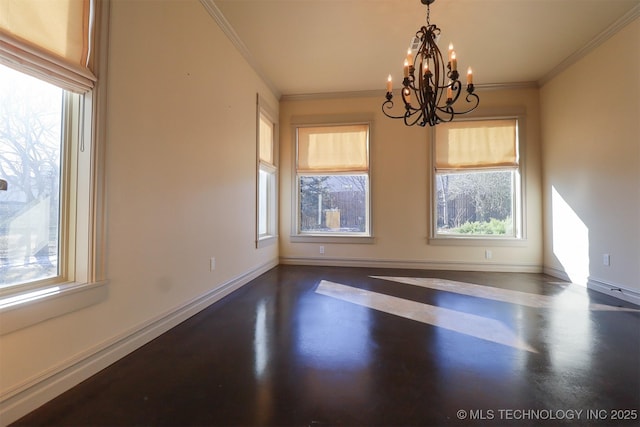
[
  {"x": 407, "y": 96},
  {"x": 454, "y": 61},
  {"x": 406, "y": 68},
  {"x": 450, "y": 50},
  {"x": 449, "y": 91},
  {"x": 469, "y": 76},
  {"x": 389, "y": 84},
  {"x": 409, "y": 56}
]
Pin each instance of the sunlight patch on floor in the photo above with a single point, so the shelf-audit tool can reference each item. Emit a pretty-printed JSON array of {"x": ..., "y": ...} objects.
[
  {"x": 504, "y": 295},
  {"x": 465, "y": 323}
]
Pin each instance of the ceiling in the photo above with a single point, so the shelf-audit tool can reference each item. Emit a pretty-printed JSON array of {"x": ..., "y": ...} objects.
[{"x": 327, "y": 46}]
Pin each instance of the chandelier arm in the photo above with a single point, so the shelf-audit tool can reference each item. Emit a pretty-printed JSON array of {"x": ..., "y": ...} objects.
[
  {"x": 456, "y": 86},
  {"x": 451, "y": 111},
  {"x": 429, "y": 106},
  {"x": 388, "y": 105},
  {"x": 475, "y": 97},
  {"x": 440, "y": 72},
  {"x": 475, "y": 102},
  {"x": 420, "y": 95},
  {"x": 408, "y": 115}
]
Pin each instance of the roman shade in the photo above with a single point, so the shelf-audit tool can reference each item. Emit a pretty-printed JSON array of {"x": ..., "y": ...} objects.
[
  {"x": 266, "y": 140},
  {"x": 50, "y": 40},
  {"x": 333, "y": 148},
  {"x": 477, "y": 144}
]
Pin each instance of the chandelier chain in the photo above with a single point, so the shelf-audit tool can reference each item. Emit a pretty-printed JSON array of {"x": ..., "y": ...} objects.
[{"x": 428, "y": 13}]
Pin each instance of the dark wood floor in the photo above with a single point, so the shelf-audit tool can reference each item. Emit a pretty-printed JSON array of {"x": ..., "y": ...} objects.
[{"x": 276, "y": 352}]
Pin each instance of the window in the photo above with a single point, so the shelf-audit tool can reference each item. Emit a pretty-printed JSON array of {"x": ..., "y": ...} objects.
[
  {"x": 332, "y": 180},
  {"x": 267, "y": 200},
  {"x": 51, "y": 212},
  {"x": 477, "y": 180}
]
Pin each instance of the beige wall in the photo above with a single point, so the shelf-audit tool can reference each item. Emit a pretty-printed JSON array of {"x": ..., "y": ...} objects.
[
  {"x": 400, "y": 183},
  {"x": 181, "y": 156},
  {"x": 591, "y": 145}
]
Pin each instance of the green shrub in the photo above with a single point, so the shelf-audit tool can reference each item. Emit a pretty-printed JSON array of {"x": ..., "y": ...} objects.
[{"x": 494, "y": 226}]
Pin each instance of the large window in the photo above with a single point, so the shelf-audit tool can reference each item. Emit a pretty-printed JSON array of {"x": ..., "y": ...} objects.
[
  {"x": 332, "y": 180},
  {"x": 267, "y": 185},
  {"x": 477, "y": 190},
  {"x": 51, "y": 220}
]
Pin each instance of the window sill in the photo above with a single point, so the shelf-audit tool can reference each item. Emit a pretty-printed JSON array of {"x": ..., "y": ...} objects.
[
  {"x": 29, "y": 308},
  {"x": 323, "y": 238},
  {"x": 477, "y": 241},
  {"x": 265, "y": 241}
]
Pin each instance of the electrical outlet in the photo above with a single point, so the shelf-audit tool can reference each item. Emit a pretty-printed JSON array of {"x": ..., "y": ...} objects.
[
  {"x": 487, "y": 254},
  {"x": 212, "y": 264},
  {"x": 606, "y": 259},
  {"x": 321, "y": 250}
]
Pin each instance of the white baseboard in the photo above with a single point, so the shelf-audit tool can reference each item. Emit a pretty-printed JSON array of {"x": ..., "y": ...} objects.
[
  {"x": 614, "y": 290},
  {"x": 421, "y": 265},
  {"x": 557, "y": 273},
  {"x": 24, "y": 398}
]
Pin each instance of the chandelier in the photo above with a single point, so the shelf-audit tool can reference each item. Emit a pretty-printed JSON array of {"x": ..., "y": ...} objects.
[{"x": 430, "y": 88}]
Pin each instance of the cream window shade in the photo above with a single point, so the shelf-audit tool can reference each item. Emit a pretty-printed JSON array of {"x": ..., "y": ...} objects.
[
  {"x": 266, "y": 140},
  {"x": 48, "y": 39},
  {"x": 476, "y": 145},
  {"x": 333, "y": 148}
]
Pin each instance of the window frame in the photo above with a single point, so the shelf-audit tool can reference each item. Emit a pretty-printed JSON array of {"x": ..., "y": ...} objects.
[
  {"x": 298, "y": 236},
  {"x": 264, "y": 110},
  {"x": 82, "y": 275},
  {"x": 518, "y": 198}
]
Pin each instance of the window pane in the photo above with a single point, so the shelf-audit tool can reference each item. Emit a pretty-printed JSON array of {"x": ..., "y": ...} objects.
[
  {"x": 333, "y": 203},
  {"x": 263, "y": 203},
  {"x": 476, "y": 203},
  {"x": 30, "y": 153}
]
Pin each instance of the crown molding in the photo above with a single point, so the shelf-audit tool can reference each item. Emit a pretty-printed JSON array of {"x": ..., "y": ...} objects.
[
  {"x": 380, "y": 93},
  {"x": 605, "y": 35},
  {"x": 226, "y": 28},
  {"x": 507, "y": 86},
  {"x": 333, "y": 95}
]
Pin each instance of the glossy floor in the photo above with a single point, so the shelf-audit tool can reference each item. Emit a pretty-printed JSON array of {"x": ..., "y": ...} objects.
[{"x": 348, "y": 346}]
